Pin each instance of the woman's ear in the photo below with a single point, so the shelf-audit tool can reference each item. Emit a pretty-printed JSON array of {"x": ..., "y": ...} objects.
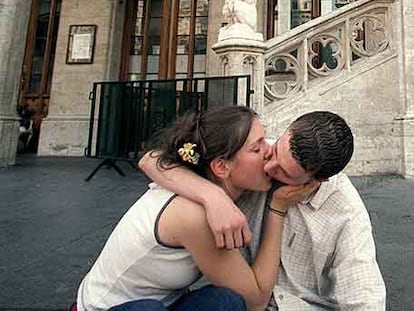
[{"x": 220, "y": 168}]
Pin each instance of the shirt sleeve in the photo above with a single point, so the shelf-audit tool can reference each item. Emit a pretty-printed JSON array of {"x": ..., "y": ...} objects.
[{"x": 357, "y": 283}]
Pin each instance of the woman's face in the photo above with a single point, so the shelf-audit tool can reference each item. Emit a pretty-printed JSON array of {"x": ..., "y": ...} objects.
[{"x": 247, "y": 166}]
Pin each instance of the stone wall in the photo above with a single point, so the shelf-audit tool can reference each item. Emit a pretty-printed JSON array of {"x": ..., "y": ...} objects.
[
  {"x": 65, "y": 130},
  {"x": 407, "y": 60},
  {"x": 215, "y": 22},
  {"x": 14, "y": 17},
  {"x": 369, "y": 100},
  {"x": 373, "y": 96},
  {"x": 377, "y": 99}
]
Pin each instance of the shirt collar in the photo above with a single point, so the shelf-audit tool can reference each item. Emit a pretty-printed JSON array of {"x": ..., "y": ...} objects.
[{"x": 325, "y": 190}]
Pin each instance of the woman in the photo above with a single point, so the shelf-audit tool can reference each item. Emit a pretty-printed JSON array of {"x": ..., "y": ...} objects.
[{"x": 163, "y": 242}]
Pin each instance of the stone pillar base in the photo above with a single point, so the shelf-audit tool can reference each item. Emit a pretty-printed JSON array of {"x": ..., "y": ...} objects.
[
  {"x": 239, "y": 31},
  {"x": 244, "y": 56},
  {"x": 64, "y": 136},
  {"x": 9, "y": 136}
]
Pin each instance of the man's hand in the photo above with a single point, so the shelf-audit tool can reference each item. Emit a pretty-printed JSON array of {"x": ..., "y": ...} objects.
[
  {"x": 227, "y": 222},
  {"x": 286, "y": 196}
]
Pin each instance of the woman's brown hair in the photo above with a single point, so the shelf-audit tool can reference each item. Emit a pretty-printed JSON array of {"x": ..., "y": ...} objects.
[{"x": 218, "y": 132}]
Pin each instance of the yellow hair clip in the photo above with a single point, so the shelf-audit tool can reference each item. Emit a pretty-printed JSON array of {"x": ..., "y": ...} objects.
[{"x": 188, "y": 154}]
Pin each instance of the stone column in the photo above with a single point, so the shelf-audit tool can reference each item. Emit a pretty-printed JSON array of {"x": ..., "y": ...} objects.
[
  {"x": 241, "y": 56},
  {"x": 407, "y": 10},
  {"x": 14, "y": 17},
  {"x": 284, "y": 16},
  {"x": 241, "y": 49}
]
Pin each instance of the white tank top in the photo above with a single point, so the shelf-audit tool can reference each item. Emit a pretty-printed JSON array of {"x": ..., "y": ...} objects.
[{"x": 134, "y": 264}]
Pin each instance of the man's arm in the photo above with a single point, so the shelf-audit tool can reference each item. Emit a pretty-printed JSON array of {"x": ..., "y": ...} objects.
[{"x": 227, "y": 222}]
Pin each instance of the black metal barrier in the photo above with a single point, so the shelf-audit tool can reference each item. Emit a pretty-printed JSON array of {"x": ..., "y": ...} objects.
[{"x": 126, "y": 118}]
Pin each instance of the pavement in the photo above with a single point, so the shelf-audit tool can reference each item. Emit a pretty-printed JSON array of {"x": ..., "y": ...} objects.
[{"x": 53, "y": 225}]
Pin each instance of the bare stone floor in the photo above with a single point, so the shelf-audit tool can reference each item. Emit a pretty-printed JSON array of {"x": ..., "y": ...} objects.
[{"x": 53, "y": 225}]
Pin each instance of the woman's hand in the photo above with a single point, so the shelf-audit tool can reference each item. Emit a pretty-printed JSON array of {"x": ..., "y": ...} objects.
[
  {"x": 286, "y": 196},
  {"x": 227, "y": 222}
]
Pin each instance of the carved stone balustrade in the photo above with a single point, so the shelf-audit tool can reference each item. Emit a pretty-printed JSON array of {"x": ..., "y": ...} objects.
[{"x": 326, "y": 46}]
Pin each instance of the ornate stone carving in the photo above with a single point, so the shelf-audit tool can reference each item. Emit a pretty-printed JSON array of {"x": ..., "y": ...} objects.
[
  {"x": 282, "y": 76},
  {"x": 224, "y": 62},
  {"x": 242, "y": 20},
  {"x": 325, "y": 54},
  {"x": 361, "y": 30},
  {"x": 241, "y": 11},
  {"x": 249, "y": 61},
  {"x": 369, "y": 35}
]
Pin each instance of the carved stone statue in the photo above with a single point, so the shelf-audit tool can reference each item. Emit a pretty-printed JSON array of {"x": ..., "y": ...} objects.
[
  {"x": 241, "y": 11},
  {"x": 242, "y": 20}
]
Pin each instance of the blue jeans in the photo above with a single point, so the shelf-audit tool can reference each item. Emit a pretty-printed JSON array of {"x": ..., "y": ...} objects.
[{"x": 207, "y": 298}]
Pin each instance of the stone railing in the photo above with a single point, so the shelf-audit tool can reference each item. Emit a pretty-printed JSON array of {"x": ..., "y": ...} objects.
[{"x": 325, "y": 46}]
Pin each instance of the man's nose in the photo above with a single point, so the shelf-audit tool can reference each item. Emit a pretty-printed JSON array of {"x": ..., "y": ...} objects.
[{"x": 270, "y": 165}]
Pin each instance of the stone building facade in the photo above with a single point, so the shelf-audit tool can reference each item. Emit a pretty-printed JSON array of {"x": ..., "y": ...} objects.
[
  {"x": 13, "y": 20},
  {"x": 365, "y": 74}
]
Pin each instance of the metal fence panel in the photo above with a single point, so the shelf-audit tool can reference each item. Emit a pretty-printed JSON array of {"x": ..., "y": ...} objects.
[{"x": 128, "y": 117}]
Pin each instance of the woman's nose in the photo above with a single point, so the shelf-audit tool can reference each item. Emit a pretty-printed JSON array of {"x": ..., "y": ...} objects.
[{"x": 270, "y": 165}]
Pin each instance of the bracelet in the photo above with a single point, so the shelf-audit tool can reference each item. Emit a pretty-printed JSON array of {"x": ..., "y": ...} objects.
[{"x": 277, "y": 212}]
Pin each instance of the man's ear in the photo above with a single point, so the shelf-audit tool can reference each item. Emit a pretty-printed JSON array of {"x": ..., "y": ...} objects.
[{"x": 220, "y": 168}]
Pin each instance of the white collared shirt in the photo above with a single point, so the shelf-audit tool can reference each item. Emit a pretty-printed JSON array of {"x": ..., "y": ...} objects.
[{"x": 328, "y": 259}]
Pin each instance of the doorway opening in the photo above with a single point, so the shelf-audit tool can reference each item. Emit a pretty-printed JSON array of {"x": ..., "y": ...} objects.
[{"x": 37, "y": 71}]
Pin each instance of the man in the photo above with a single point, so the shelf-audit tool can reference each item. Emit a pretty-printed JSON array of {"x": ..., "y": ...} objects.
[{"x": 328, "y": 259}]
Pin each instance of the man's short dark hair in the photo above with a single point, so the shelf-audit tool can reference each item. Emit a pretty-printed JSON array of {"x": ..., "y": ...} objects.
[{"x": 322, "y": 143}]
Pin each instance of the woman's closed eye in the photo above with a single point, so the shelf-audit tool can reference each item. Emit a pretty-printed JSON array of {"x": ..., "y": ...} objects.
[{"x": 255, "y": 148}]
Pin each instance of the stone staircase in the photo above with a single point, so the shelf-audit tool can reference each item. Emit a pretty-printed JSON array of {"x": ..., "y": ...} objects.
[{"x": 346, "y": 62}]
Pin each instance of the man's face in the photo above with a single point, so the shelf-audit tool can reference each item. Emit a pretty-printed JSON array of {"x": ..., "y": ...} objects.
[{"x": 282, "y": 166}]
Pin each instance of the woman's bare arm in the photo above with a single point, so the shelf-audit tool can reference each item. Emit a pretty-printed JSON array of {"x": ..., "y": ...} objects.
[
  {"x": 185, "y": 222},
  {"x": 227, "y": 222}
]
